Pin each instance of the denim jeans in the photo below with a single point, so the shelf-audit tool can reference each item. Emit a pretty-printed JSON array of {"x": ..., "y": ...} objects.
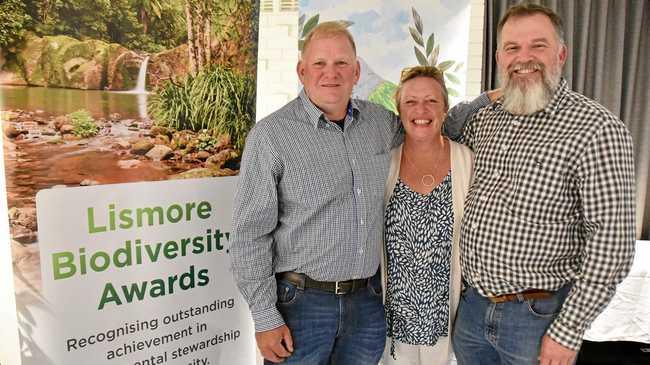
[
  {"x": 334, "y": 329},
  {"x": 505, "y": 333}
]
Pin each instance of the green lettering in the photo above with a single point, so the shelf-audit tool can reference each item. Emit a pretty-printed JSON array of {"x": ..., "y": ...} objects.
[
  {"x": 203, "y": 210},
  {"x": 135, "y": 291},
  {"x": 149, "y": 212},
  {"x": 153, "y": 255},
  {"x": 125, "y": 252},
  {"x": 170, "y": 250},
  {"x": 91, "y": 222},
  {"x": 126, "y": 221},
  {"x": 174, "y": 213},
  {"x": 188, "y": 210},
  {"x": 157, "y": 288},
  {"x": 100, "y": 255},
  {"x": 109, "y": 295},
  {"x": 62, "y": 265}
]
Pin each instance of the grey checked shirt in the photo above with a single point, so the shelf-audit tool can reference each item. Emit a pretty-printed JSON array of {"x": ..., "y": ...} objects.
[
  {"x": 552, "y": 203},
  {"x": 310, "y": 198}
]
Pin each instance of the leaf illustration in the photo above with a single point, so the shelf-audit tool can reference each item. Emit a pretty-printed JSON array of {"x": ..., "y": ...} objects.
[
  {"x": 421, "y": 59},
  {"x": 452, "y": 78},
  {"x": 433, "y": 58},
  {"x": 452, "y": 92},
  {"x": 418, "y": 21},
  {"x": 301, "y": 21},
  {"x": 430, "y": 44},
  {"x": 301, "y": 44},
  {"x": 444, "y": 66},
  {"x": 416, "y": 37},
  {"x": 311, "y": 23},
  {"x": 458, "y": 66}
]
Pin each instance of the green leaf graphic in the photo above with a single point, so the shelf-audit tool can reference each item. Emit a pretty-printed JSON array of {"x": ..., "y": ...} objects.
[
  {"x": 417, "y": 20},
  {"x": 416, "y": 37},
  {"x": 430, "y": 44},
  {"x": 311, "y": 23},
  {"x": 421, "y": 59}
]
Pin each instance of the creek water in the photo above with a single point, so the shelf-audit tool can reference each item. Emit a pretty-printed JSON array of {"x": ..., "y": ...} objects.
[
  {"x": 34, "y": 165},
  {"x": 56, "y": 101}
]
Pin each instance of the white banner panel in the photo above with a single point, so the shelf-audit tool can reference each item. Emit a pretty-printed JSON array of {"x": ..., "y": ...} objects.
[{"x": 138, "y": 273}]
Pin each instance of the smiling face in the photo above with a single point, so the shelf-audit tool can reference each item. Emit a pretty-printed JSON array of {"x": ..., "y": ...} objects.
[
  {"x": 328, "y": 70},
  {"x": 530, "y": 59},
  {"x": 422, "y": 108}
]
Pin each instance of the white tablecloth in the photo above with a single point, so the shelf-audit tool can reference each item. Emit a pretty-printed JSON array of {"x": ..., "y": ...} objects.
[{"x": 627, "y": 317}]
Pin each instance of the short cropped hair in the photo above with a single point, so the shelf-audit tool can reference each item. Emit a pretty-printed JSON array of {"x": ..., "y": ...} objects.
[
  {"x": 329, "y": 30},
  {"x": 527, "y": 9},
  {"x": 432, "y": 72}
]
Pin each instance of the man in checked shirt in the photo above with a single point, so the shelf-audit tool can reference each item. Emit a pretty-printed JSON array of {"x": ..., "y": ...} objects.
[{"x": 549, "y": 223}]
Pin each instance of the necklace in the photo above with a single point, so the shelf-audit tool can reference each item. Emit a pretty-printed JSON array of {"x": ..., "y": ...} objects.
[{"x": 427, "y": 180}]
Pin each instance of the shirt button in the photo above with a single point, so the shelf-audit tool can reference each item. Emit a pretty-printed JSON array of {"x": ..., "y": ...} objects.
[
  {"x": 361, "y": 222},
  {"x": 483, "y": 198},
  {"x": 359, "y": 191},
  {"x": 496, "y": 174},
  {"x": 474, "y": 226},
  {"x": 516, "y": 122},
  {"x": 504, "y": 147}
]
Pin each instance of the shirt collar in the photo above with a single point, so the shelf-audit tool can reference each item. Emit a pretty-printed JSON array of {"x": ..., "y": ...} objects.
[
  {"x": 556, "y": 101},
  {"x": 315, "y": 115}
]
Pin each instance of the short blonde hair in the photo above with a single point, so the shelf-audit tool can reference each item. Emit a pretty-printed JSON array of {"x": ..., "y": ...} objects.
[
  {"x": 329, "y": 30},
  {"x": 432, "y": 72}
]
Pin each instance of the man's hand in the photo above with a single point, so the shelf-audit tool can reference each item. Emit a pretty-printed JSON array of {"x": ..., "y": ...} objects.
[
  {"x": 276, "y": 344},
  {"x": 494, "y": 94},
  {"x": 552, "y": 353}
]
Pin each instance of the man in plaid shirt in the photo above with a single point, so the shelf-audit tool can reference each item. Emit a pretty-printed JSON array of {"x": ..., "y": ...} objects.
[{"x": 549, "y": 223}]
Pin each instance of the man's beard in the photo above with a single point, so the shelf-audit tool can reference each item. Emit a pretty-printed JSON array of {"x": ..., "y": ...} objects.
[{"x": 524, "y": 97}]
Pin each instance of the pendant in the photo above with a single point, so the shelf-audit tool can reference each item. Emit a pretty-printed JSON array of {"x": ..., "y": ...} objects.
[{"x": 428, "y": 180}]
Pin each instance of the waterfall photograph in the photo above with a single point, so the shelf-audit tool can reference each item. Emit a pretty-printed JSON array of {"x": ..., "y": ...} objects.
[{"x": 98, "y": 92}]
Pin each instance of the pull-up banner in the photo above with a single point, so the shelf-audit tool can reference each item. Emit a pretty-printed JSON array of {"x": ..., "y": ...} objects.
[
  {"x": 123, "y": 125},
  {"x": 138, "y": 274}
]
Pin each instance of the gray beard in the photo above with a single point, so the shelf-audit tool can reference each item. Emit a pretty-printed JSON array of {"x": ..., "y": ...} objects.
[{"x": 531, "y": 98}]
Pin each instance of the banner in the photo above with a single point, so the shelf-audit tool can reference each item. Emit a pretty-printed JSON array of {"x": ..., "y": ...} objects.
[{"x": 123, "y": 127}]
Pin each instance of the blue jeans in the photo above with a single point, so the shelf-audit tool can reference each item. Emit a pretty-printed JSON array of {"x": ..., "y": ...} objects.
[
  {"x": 334, "y": 329},
  {"x": 507, "y": 333}
]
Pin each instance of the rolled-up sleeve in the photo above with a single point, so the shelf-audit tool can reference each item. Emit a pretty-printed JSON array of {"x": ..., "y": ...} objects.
[{"x": 458, "y": 116}]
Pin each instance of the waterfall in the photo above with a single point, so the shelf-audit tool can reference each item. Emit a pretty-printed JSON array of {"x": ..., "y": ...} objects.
[{"x": 141, "y": 85}]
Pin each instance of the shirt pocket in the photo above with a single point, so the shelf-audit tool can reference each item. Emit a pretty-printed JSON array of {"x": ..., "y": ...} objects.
[
  {"x": 541, "y": 191},
  {"x": 316, "y": 181},
  {"x": 375, "y": 171}
]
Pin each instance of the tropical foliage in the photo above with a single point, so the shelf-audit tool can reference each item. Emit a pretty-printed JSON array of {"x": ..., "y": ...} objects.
[
  {"x": 141, "y": 25},
  {"x": 13, "y": 22},
  {"x": 427, "y": 54},
  {"x": 216, "y": 99},
  {"x": 83, "y": 124}
]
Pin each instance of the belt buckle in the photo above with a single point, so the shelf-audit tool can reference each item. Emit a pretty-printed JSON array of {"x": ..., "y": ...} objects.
[{"x": 337, "y": 287}]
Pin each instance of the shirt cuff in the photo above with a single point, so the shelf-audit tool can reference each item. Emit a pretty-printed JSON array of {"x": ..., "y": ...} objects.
[
  {"x": 565, "y": 336},
  {"x": 267, "y": 319}
]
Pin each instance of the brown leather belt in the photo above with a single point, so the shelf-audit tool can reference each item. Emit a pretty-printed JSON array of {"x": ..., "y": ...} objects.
[
  {"x": 528, "y": 294},
  {"x": 302, "y": 281}
]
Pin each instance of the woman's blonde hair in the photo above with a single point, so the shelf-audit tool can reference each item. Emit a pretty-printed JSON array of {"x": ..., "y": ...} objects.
[{"x": 410, "y": 73}]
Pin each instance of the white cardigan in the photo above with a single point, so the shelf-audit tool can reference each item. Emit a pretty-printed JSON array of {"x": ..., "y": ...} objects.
[{"x": 462, "y": 163}]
